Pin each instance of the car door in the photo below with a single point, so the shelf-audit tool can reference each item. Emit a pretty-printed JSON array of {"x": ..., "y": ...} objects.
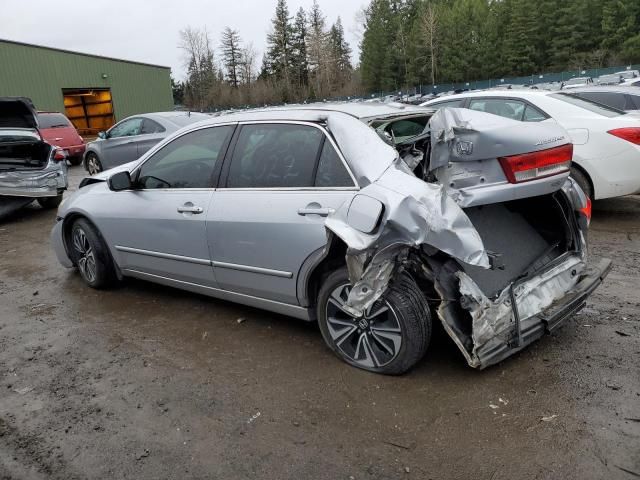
[
  {"x": 119, "y": 146},
  {"x": 159, "y": 227},
  {"x": 267, "y": 216},
  {"x": 151, "y": 133}
]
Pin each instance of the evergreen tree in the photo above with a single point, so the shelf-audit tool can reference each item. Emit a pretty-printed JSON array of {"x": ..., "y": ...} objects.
[
  {"x": 375, "y": 57},
  {"x": 340, "y": 55},
  {"x": 317, "y": 50},
  {"x": 232, "y": 55},
  {"x": 299, "y": 48},
  {"x": 279, "y": 44}
]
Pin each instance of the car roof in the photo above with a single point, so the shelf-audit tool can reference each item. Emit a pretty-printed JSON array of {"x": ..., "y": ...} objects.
[
  {"x": 524, "y": 93},
  {"x": 314, "y": 111}
]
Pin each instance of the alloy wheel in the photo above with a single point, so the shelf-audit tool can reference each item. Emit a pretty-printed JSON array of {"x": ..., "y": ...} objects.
[
  {"x": 93, "y": 165},
  {"x": 373, "y": 340},
  {"x": 86, "y": 258}
]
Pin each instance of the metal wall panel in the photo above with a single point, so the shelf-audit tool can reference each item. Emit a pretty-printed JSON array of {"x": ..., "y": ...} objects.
[{"x": 42, "y": 73}]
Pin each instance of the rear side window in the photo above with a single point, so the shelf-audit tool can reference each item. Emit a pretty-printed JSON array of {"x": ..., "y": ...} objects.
[
  {"x": 275, "y": 156},
  {"x": 149, "y": 126},
  {"x": 589, "y": 105},
  {"x": 449, "y": 104},
  {"x": 52, "y": 120},
  {"x": 610, "y": 99},
  {"x": 331, "y": 171}
]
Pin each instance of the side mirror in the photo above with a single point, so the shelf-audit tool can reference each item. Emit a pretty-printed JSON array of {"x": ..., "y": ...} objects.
[
  {"x": 120, "y": 181},
  {"x": 102, "y": 135}
]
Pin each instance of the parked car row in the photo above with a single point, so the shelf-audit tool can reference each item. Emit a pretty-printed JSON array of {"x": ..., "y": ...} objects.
[{"x": 606, "y": 140}]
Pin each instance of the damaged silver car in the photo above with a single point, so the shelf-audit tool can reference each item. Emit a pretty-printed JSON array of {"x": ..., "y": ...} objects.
[
  {"x": 30, "y": 168},
  {"x": 374, "y": 220}
]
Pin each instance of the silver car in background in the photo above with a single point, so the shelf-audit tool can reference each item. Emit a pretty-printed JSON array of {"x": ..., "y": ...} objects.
[
  {"x": 132, "y": 137},
  {"x": 371, "y": 219}
]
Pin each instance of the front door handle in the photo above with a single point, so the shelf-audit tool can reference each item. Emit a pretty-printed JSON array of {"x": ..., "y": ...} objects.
[
  {"x": 323, "y": 212},
  {"x": 190, "y": 208}
]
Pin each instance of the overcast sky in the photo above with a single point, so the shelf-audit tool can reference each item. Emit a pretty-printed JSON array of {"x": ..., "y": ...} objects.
[{"x": 149, "y": 31}]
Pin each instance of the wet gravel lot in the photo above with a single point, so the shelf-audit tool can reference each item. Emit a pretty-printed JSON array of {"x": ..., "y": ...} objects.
[{"x": 148, "y": 382}]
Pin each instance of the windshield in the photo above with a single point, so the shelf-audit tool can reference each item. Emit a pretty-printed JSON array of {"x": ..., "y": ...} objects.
[
  {"x": 400, "y": 130},
  {"x": 593, "y": 107},
  {"x": 52, "y": 120}
]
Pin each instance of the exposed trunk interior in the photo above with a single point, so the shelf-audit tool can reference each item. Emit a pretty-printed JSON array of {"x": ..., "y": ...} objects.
[
  {"x": 524, "y": 234},
  {"x": 23, "y": 154}
]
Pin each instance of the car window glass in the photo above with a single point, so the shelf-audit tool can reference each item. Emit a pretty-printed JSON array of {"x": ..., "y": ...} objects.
[
  {"x": 611, "y": 99},
  {"x": 331, "y": 171},
  {"x": 532, "y": 114},
  {"x": 127, "y": 128},
  {"x": 52, "y": 120},
  {"x": 512, "y": 109},
  {"x": 589, "y": 105},
  {"x": 186, "y": 162},
  {"x": 634, "y": 102},
  {"x": 274, "y": 156},
  {"x": 450, "y": 103},
  {"x": 149, "y": 126}
]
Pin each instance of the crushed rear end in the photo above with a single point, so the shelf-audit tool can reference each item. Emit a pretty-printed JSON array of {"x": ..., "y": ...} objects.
[
  {"x": 30, "y": 168},
  {"x": 481, "y": 211}
]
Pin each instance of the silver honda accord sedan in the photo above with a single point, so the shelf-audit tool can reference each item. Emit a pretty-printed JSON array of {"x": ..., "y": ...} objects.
[{"x": 373, "y": 220}]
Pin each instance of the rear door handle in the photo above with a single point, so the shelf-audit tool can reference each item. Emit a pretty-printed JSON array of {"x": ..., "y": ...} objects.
[
  {"x": 323, "y": 212},
  {"x": 190, "y": 208}
]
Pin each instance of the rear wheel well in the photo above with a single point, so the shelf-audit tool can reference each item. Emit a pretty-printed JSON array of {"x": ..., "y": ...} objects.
[
  {"x": 586, "y": 176},
  {"x": 334, "y": 260}
]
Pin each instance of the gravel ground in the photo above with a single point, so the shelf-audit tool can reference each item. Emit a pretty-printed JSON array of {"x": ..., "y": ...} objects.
[{"x": 149, "y": 382}]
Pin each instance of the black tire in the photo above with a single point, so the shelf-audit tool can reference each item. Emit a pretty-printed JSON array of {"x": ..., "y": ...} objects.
[
  {"x": 75, "y": 161},
  {"x": 49, "y": 203},
  {"x": 90, "y": 255},
  {"x": 582, "y": 180},
  {"x": 406, "y": 307},
  {"x": 92, "y": 164}
]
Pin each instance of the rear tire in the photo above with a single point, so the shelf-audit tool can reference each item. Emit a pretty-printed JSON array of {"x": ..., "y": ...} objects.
[
  {"x": 49, "y": 203},
  {"x": 581, "y": 179},
  {"x": 389, "y": 339},
  {"x": 75, "y": 161},
  {"x": 92, "y": 164},
  {"x": 90, "y": 255}
]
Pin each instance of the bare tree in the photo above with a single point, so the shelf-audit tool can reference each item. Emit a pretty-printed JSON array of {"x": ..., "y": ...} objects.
[
  {"x": 429, "y": 24},
  {"x": 199, "y": 61},
  {"x": 248, "y": 64}
]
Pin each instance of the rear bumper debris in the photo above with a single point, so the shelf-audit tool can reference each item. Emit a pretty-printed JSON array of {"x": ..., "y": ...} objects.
[{"x": 543, "y": 304}]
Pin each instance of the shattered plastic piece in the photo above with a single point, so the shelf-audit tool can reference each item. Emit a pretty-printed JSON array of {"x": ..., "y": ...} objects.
[
  {"x": 241, "y": 320},
  {"x": 23, "y": 390},
  {"x": 549, "y": 418},
  {"x": 494, "y": 407}
]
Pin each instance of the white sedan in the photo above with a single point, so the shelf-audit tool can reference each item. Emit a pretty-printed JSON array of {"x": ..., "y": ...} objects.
[{"x": 606, "y": 154}]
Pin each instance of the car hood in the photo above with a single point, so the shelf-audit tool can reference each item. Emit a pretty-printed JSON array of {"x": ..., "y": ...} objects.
[{"x": 17, "y": 112}]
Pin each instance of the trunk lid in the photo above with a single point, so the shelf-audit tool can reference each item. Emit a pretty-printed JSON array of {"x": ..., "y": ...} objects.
[{"x": 17, "y": 112}]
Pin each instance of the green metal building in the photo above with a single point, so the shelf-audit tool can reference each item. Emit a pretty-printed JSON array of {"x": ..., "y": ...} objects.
[{"x": 93, "y": 91}]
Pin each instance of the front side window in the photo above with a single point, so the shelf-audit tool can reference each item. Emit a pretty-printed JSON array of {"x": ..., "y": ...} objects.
[
  {"x": 128, "y": 128},
  {"x": 187, "y": 162},
  {"x": 275, "y": 156}
]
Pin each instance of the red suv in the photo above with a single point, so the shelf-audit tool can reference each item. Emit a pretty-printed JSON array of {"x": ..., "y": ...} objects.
[{"x": 56, "y": 129}]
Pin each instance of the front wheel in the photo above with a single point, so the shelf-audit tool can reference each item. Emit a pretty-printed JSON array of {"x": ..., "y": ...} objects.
[
  {"x": 92, "y": 164},
  {"x": 390, "y": 338},
  {"x": 89, "y": 253},
  {"x": 49, "y": 203}
]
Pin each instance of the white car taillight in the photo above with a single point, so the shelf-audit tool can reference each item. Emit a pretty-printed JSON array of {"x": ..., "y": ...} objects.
[
  {"x": 535, "y": 165},
  {"x": 630, "y": 134}
]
